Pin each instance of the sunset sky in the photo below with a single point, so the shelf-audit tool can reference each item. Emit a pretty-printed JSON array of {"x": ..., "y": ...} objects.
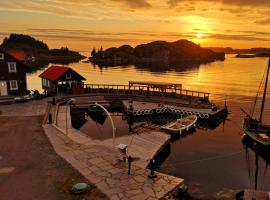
[{"x": 82, "y": 24}]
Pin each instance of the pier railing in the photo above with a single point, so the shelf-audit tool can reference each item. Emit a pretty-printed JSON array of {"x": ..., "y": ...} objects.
[{"x": 142, "y": 90}]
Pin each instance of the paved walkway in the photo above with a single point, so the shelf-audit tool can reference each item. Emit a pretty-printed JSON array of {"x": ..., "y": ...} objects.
[
  {"x": 143, "y": 146},
  {"x": 100, "y": 166},
  {"x": 31, "y": 108}
]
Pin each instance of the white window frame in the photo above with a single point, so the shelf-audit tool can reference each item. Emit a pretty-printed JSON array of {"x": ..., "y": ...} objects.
[
  {"x": 68, "y": 75},
  {"x": 11, "y": 86},
  {"x": 2, "y": 56},
  {"x": 11, "y": 64}
]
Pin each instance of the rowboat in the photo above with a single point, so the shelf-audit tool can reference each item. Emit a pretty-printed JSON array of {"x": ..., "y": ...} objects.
[{"x": 181, "y": 125}]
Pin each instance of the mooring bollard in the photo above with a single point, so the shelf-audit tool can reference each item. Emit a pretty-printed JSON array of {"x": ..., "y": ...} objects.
[
  {"x": 152, "y": 169},
  {"x": 129, "y": 164},
  {"x": 50, "y": 118}
]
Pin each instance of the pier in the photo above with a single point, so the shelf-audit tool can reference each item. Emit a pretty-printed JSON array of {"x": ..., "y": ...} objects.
[
  {"x": 97, "y": 159},
  {"x": 149, "y": 89}
]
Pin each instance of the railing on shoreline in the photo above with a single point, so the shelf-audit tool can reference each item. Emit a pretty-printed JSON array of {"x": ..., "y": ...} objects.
[{"x": 142, "y": 90}]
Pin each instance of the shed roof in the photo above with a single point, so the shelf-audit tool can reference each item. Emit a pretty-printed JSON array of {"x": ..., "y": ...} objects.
[{"x": 54, "y": 73}]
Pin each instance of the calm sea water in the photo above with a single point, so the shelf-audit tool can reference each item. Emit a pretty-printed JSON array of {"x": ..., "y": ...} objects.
[
  {"x": 212, "y": 162},
  {"x": 234, "y": 78}
]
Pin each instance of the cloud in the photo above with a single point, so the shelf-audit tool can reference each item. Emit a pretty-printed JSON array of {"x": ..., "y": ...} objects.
[
  {"x": 174, "y": 3},
  {"x": 147, "y": 36},
  {"x": 135, "y": 3},
  {"x": 263, "y": 21}
]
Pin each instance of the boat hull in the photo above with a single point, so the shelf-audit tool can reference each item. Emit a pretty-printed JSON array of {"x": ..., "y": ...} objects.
[{"x": 256, "y": 136}]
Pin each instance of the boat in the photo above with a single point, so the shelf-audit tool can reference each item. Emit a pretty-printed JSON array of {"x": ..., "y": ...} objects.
[
  {"x": 253, "y": 127},
  {"x": 181, "y": 125},
  {"x": 95, "y": 109}
]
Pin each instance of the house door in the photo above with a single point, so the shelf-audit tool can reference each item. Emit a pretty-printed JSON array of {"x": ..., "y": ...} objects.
[{"x": 3, "y": 88}]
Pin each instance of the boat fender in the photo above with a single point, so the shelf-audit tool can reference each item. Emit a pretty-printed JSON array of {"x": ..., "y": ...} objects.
[
  {"x": 151, "y": 112},
  {"x": 158, "y": 111},
  {"x": 181, "y": 112},
  {"x": 189, "y": 113},
  {"x": 134, "y": 112},
  {"x": 146, "y": 112},
  {"x": 162, "y": 110},
  {"x": 177, "y": 112},
  {"x": 206, "y": 116}
]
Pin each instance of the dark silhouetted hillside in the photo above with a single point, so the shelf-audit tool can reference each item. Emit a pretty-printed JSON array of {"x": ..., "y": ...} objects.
[{"x": 168, "y": 53}]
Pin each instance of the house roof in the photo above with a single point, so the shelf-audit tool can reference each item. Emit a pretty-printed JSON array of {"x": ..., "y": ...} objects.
[
  {"x": 54, "y": 73},
  {"x": 19, "y": 55}
]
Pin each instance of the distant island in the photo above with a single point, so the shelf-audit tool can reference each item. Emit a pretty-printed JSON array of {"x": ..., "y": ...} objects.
[
  {"x": 172, "y": 54},
  {"x": 37, "y": 53},
  {"x": 244, "y": 53}
]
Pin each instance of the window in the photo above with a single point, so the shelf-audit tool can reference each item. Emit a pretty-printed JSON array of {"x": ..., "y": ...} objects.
[
  {"x": 13, "y": 84},
  {"x": 68, "y": 75},
  {"x": 45, "y": 82},
  {"x": 12, "y": 67},
  {"x": 2, "y": 56}
]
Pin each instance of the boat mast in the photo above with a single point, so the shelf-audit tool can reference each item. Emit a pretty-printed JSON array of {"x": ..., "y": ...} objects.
[{"x": 264, "y": 92}]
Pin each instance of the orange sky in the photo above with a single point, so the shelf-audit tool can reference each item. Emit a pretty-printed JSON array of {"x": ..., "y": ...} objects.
[{"x": 82, "y": 24}]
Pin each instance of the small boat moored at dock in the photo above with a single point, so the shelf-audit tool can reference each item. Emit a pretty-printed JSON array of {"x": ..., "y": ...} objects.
[
  {"x": 181, "y": 125},
  {"x": 253, "y": 127}
]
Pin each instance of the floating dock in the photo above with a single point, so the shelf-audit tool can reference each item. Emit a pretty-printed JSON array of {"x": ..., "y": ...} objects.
[{"x": 142, "y": 108}]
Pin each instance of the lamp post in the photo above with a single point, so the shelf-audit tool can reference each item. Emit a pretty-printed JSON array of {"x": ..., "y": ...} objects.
[{"x": 68, "y": 103}]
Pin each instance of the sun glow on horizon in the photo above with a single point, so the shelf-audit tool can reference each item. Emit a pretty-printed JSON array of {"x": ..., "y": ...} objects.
[{"x": 200, "y": 35}]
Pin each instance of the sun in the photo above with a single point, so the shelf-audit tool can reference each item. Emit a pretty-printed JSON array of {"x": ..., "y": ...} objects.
[{"x": 200, "y": 35}]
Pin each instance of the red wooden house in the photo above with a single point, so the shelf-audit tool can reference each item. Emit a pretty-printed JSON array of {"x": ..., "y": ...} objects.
[
  {"x": 62, "y": 79},
  {"x": 12, "y": 75}
]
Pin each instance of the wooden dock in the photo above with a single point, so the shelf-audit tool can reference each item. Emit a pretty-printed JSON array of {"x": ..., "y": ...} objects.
[
  {"x": 142, "y": 147},
  {"x": 147, "y": 91}
]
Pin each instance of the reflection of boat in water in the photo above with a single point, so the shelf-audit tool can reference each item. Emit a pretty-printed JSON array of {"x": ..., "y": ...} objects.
[
  {"x": 96, "y": 113},
  {"x": 260, "y": 151},
  {"x": 254, "y": 128},
  {"x": 181, "y": 125},
  {"x": 95, "y": 109}
]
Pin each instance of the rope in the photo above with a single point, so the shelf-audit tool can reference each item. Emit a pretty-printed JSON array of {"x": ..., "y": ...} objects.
[
  {"x": 264, "y": 174},
  {"x": 248, "y": 165},
  {"x": 208, "y": 159},
  {"x": 257, "y": 94}
]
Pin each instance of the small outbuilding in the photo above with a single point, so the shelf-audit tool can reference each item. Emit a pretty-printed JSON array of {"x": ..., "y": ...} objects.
[{"x": 62, "y": 79}]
